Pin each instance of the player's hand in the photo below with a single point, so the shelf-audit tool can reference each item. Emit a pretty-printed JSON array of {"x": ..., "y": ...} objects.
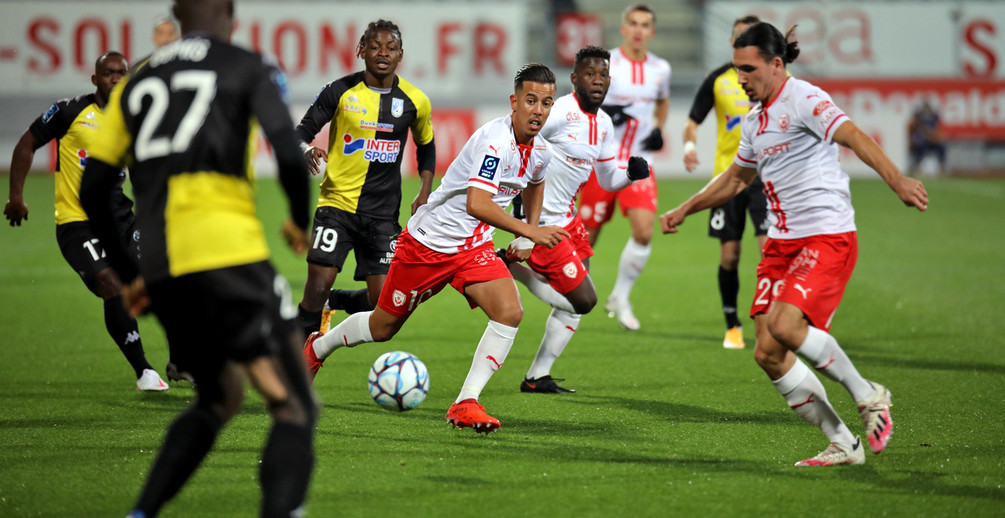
[
  {"x": 654, "y": 142},
  {"x": 420, "y": 200},
  {"x": 519, "y": 250},
  {"x": 548, "y": 236},
  {"x": 314, "y": 155},
  {"x": 15, "y": 210},
  {"x": 638, "y": 168},
  {"x": 691, "y": 160},
  {"x": 672, "y": 219},
  {"x": 135, "y": 298},
  {"x": 617, "y": 114},
  {"x": 912, "y": 193},
  {"x": 295, "y": 237}
]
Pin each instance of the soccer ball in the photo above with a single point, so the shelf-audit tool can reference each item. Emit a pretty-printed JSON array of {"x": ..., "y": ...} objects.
[{"x": 398, "y": 381}]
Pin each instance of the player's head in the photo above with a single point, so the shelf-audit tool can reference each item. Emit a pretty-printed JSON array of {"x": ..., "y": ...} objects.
[
  {"x": 380, "y": 48},
  {"x": 591, "y": 77},
  {"x": 533, "y": 95},
  {"x": 109, "y": 68},
  {"x": 760, "y": 54},
  {"x": 165, "y": 31},
  {"x": 638, "y": 26},
  {"x": 213, "y": 16},
  {"x": 742, "y": 24}
]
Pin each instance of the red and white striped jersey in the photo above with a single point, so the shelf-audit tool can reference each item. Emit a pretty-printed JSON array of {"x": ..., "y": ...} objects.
[
  {"x": 790, "y": 142},
  {"x": 637, "y": 85},
  {"x": 491, "y": 160},
  {"x": 580, "y": 142}
]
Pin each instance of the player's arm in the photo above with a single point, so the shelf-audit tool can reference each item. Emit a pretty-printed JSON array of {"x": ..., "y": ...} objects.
[
  {"x": 718, "y": 191},
  {"x": 24, "y": 152},
  {"x": 909, "y": 190},
  {"x": 690, "y": 139},
  {"x": 321, "y": 112},
  {"x": 425, "y": 151},
  {"x": 654, "y": 142},
  {"x": 704, "y": 101},
  {"x": 481, "y": 206}
]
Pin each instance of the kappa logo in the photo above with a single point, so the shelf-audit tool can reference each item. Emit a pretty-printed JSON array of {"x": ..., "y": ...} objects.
[
  {"x": 133, "y": 336},
  {"x": 570, "y": 270},
  {"x": 398, "y": 299},
  {"x": 804, "y": 291}
]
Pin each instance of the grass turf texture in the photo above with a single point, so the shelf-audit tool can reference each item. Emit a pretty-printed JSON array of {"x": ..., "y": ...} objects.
[{"x": 666, "y": 422}]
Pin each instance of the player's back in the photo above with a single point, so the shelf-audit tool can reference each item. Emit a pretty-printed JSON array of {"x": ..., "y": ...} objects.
[{"x": 186, "y": 117}]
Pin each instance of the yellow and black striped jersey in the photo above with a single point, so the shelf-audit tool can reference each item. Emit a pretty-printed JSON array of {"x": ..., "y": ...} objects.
[
  {"x": 74, "y": 124},
  {"x": 721, "y": 90},
  {"x": 182, "y": 123},
  {"x": 366, "y": 140}
]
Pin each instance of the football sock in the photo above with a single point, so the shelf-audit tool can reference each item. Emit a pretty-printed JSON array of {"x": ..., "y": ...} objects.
[
  {"x": 310, "y": 321},
  {"x": 822, "y": 351},
  {"x": 806, "y": 395},
  {"x": 285, "y": 470},
  {"x": 352, "y": 331},
  {"x": 189, "y": 438},
  {"x": 123, "y": 329},
  {"x": 729, "y": 287},
  {"x": 350, "y": 301},
  {"x": 489, "y": 357},
  {"x": 633, "y": 259},
  {"x": 558, "y": 330},
  {"x": 540, "y": 288}
]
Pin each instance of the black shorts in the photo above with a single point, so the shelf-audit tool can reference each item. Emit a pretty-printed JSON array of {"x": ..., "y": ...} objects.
[
  {"x": 239, "y": 313},
  {"x": 728, "y": 220},
  {"x": 84, "y": 253},
  {"x": 336, "y": 232}
]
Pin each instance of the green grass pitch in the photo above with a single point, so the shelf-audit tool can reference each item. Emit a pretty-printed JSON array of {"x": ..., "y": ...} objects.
[{"x": 666, "y": 422}]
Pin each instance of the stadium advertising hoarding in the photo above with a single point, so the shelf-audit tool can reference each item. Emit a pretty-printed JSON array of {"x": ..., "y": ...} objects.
[{"x": 458, "y": 53}]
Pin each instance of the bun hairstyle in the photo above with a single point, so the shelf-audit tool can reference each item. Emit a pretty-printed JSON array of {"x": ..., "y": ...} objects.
[{"x": 769, "y": 42}]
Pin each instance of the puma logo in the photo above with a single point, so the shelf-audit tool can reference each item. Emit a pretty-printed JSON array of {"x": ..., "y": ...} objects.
[{"x": 804, "y": 291}]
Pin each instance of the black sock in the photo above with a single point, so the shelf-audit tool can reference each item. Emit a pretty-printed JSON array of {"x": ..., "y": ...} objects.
[
  {"x": 122, "y": 328},
  {"x": 310, "y": 321},
  {"x": 188, "y": 440},
  {"x": 350, "y": 301},
  {"x": 729, "y": 287},
  {"x": 285, "y": 471}
]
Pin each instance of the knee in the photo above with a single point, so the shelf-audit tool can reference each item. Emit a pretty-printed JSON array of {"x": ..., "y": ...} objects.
[
  {"x": 643, "y": 236},
  {"x": 585, "y": 303},
  {"x": 107, "y": 284},
  {"x": 383, "y": 332},
  {"x": 783, "y": 330},
  {"x": 510, "y": 315}
]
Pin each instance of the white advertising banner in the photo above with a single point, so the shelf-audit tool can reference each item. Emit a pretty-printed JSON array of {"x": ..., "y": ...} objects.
[
  {"x": 876, "y": 40},
  {"x": 458, "y": 53}
]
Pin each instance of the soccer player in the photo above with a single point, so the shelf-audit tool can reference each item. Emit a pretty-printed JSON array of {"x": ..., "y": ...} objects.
[
  {"x": 582, "y": 140},
  {"x": 789, "y": 139},
  {"x": 371, "y": 112},
  {"x": 638, "y": 103},
  {"x": 74, "y": 124},
  {"x": 183, "y": 120},
  {"x": 449, "y": 241},
  {"x": 721, "y": 91}
]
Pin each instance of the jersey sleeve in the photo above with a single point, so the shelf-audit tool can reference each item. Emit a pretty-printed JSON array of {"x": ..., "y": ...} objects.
[
  {"x": 610, "y": 177},
  {"x": 818, "y": 114},
  {"x": 113, "y": 146},
  {"x": 704, "y": 100},
  {"x": 52, "y": 124},
  {"x": 745, "y": 156},
  {"x": 321, "y": 111},
  {"x": 487, "y": 167},
  {"x": 422, "y": 126}
]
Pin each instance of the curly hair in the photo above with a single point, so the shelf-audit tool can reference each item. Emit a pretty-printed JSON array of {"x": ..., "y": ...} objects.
[{"x": 371, "y": 30}]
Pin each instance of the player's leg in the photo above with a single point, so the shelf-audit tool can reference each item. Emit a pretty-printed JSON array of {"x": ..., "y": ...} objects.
[
  {"x": 726, "y": 223},
  {"x": 331, "y": 241},
  {"x": 595, "y": 207},
  {"x": 84, "y": 254},
  {"x": 638, "y": 203},
  {"x": 374, "y": 250}
]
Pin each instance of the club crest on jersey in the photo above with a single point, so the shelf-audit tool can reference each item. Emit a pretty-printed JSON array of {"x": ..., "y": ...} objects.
[
  {"x": 489, "y": 166},
  {"x": 397, "y": 106},
  {"x": 47, "y": 116},
  {"x": 783, "y": 122}
]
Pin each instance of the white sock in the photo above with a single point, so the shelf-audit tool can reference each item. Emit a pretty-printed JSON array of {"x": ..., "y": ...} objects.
[
  {"x": 822, "y": 351},
  {"x": 352, "y": 331},
  {"x": 558, "y": 330},
  {"x": 540, "y": 288},
  {"x": 633, "y": 259},
  {"x": 489, "y": 357},
  {"x": 806, "y": 395}
]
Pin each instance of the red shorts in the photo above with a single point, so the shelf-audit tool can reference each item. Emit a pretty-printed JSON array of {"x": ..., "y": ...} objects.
[
  {"x": 418, "y": 272},
  {"x": 810, "y": 273},
  {"x": 563, "y": 264},
  {"x": 597, "y": 205}
]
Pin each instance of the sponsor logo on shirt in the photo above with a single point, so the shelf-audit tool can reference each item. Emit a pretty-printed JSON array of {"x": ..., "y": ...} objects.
[
  {"x": 772, "y": 151},
  {"x": 732, "y": 122},
  {"x": 376, "y": 126},
  {"x": 354, "y": 108},
  {"x": 82, "y": 157},
  {"x": 47, "y": 116},
  {"x": 374, "y": 150},
  {"x": 489, "y": 166},
  {"x": 821, "y": 107},
  {"x": 579, "y": 161}
]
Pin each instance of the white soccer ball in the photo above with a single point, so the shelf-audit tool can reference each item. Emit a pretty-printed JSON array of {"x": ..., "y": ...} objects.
[{"x": 398, "y": 381}]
